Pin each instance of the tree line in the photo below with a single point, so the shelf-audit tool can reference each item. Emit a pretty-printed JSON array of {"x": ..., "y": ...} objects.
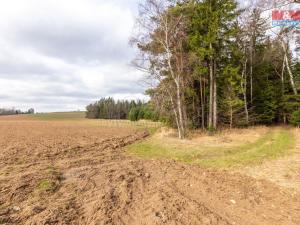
[
  {"x": 12, "y": 111},
  {"x": 216, "y": 64},
  {"x": 108, "y": 108}
]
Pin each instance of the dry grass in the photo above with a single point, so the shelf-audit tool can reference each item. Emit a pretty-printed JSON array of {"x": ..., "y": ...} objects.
[
  {"x": 285, "y": 171},
  {"x": 226, "y": 149}
]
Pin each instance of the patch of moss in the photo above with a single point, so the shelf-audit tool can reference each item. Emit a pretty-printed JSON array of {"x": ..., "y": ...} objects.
[{"x": 45, "y": 185}]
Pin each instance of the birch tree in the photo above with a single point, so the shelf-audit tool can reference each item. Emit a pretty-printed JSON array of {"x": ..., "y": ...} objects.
[{"x": 161, "y": 41}]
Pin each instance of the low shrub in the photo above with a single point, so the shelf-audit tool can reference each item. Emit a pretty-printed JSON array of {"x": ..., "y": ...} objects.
[{"x": 295, "y": 118}]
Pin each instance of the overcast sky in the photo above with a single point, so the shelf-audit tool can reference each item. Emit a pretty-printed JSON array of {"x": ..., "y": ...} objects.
[{"x": 58, "y": 55}]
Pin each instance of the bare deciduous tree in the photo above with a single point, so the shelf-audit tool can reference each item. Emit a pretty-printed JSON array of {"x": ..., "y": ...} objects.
[{"x": 160, "y": 39}]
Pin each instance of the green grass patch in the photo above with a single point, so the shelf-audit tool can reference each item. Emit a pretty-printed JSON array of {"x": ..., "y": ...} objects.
[
  {"x": 58, "y": 116},
  {"x": 51, "y": 181},
  {"x": 45, "y": 185},
  {"x": 80, "y": 117},
  {"x": 141, "y": 125},
  {"x": 272, "y": 145}
]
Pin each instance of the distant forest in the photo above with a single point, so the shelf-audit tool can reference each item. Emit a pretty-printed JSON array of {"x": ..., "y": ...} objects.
[
  {"x": 108, "y": 108},
  {"x": 12, "y": 111}
]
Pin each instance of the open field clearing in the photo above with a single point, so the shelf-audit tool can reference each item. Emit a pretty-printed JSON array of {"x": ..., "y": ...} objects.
[
  {"x": 80, "y": 117},
  {"x": 64, "y": 172},
  {"x": 58, "y": 116}
]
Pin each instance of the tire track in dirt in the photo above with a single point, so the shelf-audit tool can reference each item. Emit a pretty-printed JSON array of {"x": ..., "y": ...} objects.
[{"x": 284, "y": 171}]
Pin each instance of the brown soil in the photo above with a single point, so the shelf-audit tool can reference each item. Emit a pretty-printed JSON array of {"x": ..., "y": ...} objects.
[{"x": 59, "y": 173}]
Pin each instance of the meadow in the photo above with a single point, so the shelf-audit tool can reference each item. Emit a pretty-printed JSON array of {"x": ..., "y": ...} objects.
[{"x": 272, "y": 144}]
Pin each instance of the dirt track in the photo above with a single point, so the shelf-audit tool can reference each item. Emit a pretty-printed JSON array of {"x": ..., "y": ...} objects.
[
  {"x": 284, "y": 171},
  {"x": 58, "y": 173}
]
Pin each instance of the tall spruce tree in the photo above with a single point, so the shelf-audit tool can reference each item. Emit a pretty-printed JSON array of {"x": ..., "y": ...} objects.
[{"x": 212, "y": 34}]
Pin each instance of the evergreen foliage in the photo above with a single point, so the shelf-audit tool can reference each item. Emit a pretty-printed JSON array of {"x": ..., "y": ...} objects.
[
  {"x": 219, "y": 67},
  {"x": 12, "y": 111},
  {"x": 108, "y": 108},
  {"x": 134, "y": 114},
  {"x": 295, "y": 118}
]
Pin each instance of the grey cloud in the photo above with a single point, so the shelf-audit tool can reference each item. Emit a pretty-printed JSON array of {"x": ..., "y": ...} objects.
[
  {"x": 75, "y": 60},
  {"x": 71, "y": 43},
  {"x": 16, "y": 69},
  {"x": 123, "y": 88},
  {"x": 50, "y": 100},
  {"x": 35, "y": 72}
]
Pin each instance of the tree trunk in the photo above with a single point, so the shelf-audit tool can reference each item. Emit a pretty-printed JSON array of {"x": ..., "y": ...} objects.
[
  {"x": 289, "y": 68},
  {"x": 284, "y": 119},
  {"x": 215, "y": 103},
  {"x": 180, "y": 110},
  {"x": 244, "y": 88},
  {"x": 176, "y": 78},
  {"x": 282, "y": 86},
  {"x": 251, "y": 72},
  {"x": 211, "y": 99},
  {"x": 211, "y": 90},
  {"x": 202, "y": 91},
  {"x": 180, "y": 135},
  {"x": 282, "y": 76},
  {"x": 291, "y": 75},
  {"x": 231, "y": 116}
]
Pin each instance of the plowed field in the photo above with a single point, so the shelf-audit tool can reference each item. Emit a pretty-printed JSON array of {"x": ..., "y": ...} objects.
[{"x": 56, "y": 172}]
